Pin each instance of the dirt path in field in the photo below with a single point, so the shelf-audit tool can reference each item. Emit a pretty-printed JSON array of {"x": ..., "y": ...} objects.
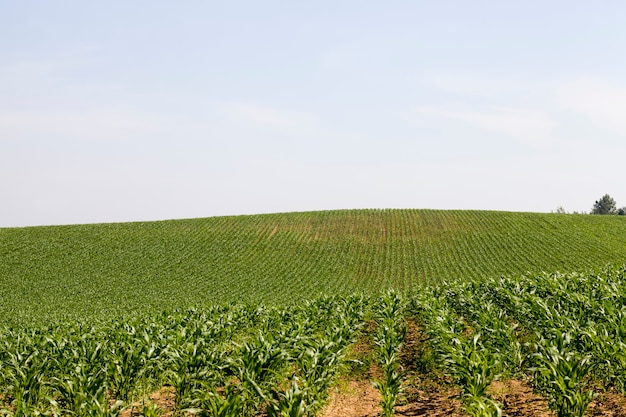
[
  {"x": 518, "y": 399},
  {"x": 163, "y": 399},
  {"x": 423, "y": 396},
  {"x": 358, "y": 399}
]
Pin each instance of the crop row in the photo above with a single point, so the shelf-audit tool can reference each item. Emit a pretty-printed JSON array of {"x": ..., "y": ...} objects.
[{"x": 564, "y": 334}]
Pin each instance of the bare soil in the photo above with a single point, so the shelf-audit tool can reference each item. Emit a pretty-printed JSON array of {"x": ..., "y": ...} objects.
[
  {"x": 608, "y": 405},
  {"x": 519, "y": 400},
  {"x": 358, "y": 399},
  {"x": 164, "y": 399}
]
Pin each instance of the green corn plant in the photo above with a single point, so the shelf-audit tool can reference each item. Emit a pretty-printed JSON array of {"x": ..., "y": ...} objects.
[
  {"x": 24, "y": 375},
  {"x": 560, "y": 373},
  {"x": 189, "y": 365},
  {"x": 150, "y": 410},
  {"x": 482, "y": 407},
  {"x": 130, "y": 357},
  {"x": 474, "y": 367},
  {"x": 291, "y": 403},
  {"x": 390, "y": 386},
  {"x": 207, "y": 403},
  {"x": 388, "y": 340},
  {"x": 78, "y": 388},
  {"x": 83, "y": 376},
  {"x": 95, "y": 408},
  {"x": 256, "y": 362},
  {"x": 389, "y": 336},
  {"x": 318, "y": 365}
]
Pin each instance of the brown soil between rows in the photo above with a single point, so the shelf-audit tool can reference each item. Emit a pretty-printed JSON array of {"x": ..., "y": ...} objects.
[
  {"x": 358, "y": 399},
  {"x": 164, "y": 399},
  {"x": 608, "y": 405},
  {"x": 518, "y": 399}
]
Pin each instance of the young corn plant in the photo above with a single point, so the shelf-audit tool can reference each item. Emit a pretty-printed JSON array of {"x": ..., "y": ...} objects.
[
  {"x": 255, "y": 365},
  {"x": 188, "y": 365},
  {"x": 388, "y": 338},
  {"x": 291, "y": 403},
  {"x": 208, "y": 403},
  {"x": 79, "y": 388},
  {"x": 469, "y": 362},
  {"x": 318, "y": 364},
  {"x": 474, "y": 367},
  {"x": 130, "y": 357},
  {"x": 23, "y": 372},
  {"x": 560, "y": 372}
]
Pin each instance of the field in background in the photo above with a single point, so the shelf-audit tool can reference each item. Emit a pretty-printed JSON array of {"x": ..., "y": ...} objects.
[{"x": 112, "y": 269}]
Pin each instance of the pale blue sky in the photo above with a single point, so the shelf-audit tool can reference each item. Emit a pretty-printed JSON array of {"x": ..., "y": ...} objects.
[{"x": 120, "y": 111}]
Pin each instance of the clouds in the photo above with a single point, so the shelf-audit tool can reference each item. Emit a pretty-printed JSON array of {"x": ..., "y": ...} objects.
[
  {"x": 529, "y": 127},
  {"x": 538, "y": 114},
  {"x": 600, "y": 101},
  {"x": 110, "y": 124},
  {"x": 477, "y": 86},
  {"x": 285, "y": 120}
]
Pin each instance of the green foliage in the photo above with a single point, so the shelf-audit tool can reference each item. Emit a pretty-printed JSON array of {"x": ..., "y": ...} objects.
[
  {"x": 291, "y": 403},
  {"x": 605, "y": 205},
  {"x": 116, "y": 270},
  {"x": 564, "y": 331},
  {"x": 234, "y": 313},
  {"x": 389, "y": 336},
  {"x": 249, "y": 352},
  {"x": 560, "y": 373}
]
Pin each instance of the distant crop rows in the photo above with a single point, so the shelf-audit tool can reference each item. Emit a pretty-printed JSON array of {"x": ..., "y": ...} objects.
[
  {"x": 104, "y": 269},
  {"x": 566, "y": 334}
]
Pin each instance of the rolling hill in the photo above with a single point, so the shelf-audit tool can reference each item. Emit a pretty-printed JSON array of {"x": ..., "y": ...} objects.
[{"x": 144, "y": 267}]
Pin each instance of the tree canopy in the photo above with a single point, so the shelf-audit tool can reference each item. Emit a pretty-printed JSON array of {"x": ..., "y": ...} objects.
[{"x": 605, "y": 205}]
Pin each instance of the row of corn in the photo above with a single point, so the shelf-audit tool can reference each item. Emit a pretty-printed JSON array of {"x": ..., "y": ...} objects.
[{"x": 563, "y": 334}]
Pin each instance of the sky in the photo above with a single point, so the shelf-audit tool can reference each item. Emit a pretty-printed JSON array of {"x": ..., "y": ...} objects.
[{"x": 146, "y": 110}]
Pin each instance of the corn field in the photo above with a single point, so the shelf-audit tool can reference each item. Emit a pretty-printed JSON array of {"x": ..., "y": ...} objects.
[
  {"x": 564, "y": 333},
  {"x": 80, "y": 271}
]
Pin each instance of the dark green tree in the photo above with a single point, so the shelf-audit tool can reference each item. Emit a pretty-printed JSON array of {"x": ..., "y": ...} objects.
[{"x": 605, "y": 205}]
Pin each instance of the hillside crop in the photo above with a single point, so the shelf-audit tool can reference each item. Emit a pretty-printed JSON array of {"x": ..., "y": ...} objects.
[{"x": 117, "y": 269}]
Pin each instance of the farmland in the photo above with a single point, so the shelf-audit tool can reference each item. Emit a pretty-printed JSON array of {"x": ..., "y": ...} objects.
[
  {"x": 117, "y": 269},
  {"x": 443, "y": 312}
]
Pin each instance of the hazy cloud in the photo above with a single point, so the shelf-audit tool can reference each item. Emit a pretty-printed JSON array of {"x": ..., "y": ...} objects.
[
  {"x": 260, "y": 115},
  {"x": 107, "y": 124},
  {"x": 602, "y": 103},
  {"x": 476, "y": 86},
  {"x": 533, "y": 128}
]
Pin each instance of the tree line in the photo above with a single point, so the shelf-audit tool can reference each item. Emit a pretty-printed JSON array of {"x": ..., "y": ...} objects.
[{"x": 607, "y": 205}]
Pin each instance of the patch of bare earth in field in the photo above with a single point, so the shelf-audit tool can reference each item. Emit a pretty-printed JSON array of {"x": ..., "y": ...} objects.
[
  {"x": 608, "y": 405},
  {"x": 358, "y": 399},
  {"x": 432, "y": 402},
  {"x": 518, "y": 399},
  {"x": 164, "y": 399}
]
